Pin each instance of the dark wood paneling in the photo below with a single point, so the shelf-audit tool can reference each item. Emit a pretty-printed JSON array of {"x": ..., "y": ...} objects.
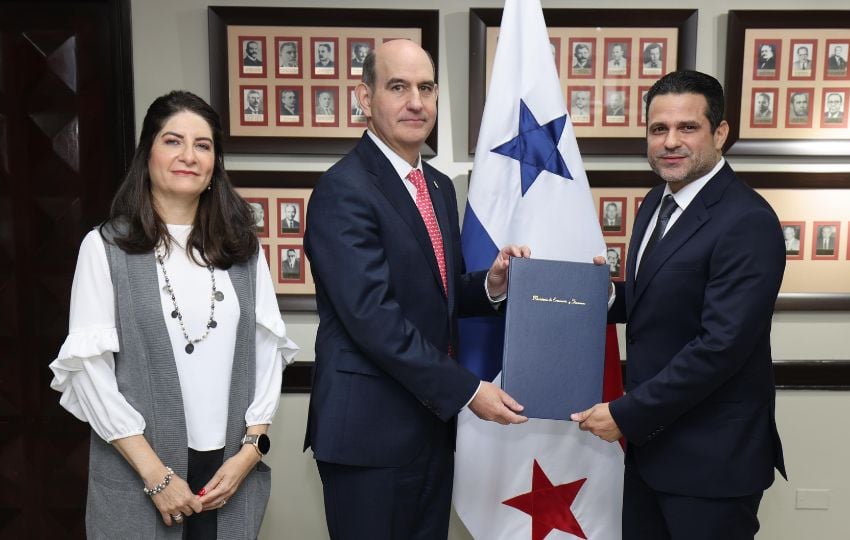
[
  {"x": 66, "y": 136},
  {"x": 791, "y": 375}
]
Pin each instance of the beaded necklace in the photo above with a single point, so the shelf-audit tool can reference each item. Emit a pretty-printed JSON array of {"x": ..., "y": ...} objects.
[{"x": 215, "y": 295}]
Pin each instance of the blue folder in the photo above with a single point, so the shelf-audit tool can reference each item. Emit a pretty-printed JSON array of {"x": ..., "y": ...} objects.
[{"x": 554, "y": 355}]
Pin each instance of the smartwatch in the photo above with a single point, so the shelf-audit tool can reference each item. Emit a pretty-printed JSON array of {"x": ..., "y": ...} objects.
[{"x": 260, "y": 442}]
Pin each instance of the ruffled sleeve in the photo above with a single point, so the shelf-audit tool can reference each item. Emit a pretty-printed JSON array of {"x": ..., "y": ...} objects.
[
  {"x": 274, "y": 350},
  {"x": 84, "y": 370}
]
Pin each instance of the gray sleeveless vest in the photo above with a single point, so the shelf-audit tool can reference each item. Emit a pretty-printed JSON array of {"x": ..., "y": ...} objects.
[{"x": 147, "y": 377}]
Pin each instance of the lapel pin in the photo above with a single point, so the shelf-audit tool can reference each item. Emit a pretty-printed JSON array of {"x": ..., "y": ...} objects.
[{"x": 435, "y": 184}]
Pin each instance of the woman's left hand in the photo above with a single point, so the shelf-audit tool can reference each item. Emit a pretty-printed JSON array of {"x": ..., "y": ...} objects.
[{"x": 228, "y": 478}]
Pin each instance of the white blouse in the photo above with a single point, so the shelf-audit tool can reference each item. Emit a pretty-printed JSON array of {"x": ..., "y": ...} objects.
[{"x": 84, "y": 370}]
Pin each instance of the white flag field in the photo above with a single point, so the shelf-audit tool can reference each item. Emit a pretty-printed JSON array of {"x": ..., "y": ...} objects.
[{"x": 544, "y": 478}]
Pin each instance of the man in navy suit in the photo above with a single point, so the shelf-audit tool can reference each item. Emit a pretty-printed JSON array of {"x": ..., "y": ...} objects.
[
  {"x": 386, "y": 388},
  {"x": 703, "y": 273}
]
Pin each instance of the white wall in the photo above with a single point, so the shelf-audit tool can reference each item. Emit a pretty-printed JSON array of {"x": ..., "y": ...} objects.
[{"x": 170, "y": 50}]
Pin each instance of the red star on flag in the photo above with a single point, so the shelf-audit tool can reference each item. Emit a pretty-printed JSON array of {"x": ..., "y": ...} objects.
[{"x": 549, "y": 505}]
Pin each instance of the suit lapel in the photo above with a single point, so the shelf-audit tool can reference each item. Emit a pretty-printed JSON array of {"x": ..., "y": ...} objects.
[
  {"x": 692, "y": 219},
  {"x": 640, "y": 226},
  {"x": 388, "y": 182}
]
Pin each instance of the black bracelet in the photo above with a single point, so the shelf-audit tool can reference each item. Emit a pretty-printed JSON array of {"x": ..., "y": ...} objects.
[{"x": 159, "y": 487}]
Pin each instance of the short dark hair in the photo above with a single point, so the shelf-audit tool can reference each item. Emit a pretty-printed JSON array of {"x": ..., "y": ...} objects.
[
  {"x": 369, "y": 76},
  {"x": 687, "y": 81},
  {"x": 222, "y": 232}
]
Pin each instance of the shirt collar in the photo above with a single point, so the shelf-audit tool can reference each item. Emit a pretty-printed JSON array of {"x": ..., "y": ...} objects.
[
  {"x": 689, "y": 191},
  {"x": 401, "y": 166}
]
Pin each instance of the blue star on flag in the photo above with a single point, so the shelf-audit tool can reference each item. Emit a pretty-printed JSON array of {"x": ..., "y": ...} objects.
[{"x": 536, "y": 147}]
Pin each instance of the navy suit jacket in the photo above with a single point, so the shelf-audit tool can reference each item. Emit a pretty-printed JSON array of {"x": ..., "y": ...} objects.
[
  {"x": 699, "y": 409},
  {"x": 383, "y": 381}
]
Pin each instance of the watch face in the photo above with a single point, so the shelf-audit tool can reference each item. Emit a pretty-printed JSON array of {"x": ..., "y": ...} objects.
[{"x": 264, "y": 444}]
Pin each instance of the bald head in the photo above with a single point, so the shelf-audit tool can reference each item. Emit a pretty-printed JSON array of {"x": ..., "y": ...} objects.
[{"x": 399, "y": 96}]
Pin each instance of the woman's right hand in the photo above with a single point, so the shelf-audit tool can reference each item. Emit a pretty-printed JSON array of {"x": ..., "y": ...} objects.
[{"x": 175, "y": 500}]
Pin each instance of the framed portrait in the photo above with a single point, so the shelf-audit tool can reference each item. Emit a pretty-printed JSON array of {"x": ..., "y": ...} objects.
[
  {"x": 826, "y": 240},
  {"x": 253, "y": 56},
  {"x": 606, "y": 51},
  {"x": 289, "y": 102},
  {"x": 580, "y": 103},
  {"x": 763, "y": 107},
  {"x": 794, "y": 234},
  {"x": 325, "y": 58},
  {"x": 325, "y": 106},
  {"x": 808, "y": 284},
  {"x": 652, "y": 57},
  {"x": 253, "y": 104},
  {"x": 642, "y": 92},
  {"x": 834, "y": 108},
  {"x": 555, "y": 44},
  {"x": 615, "y": 254},
  {"x": 260, "y": 210},
  {"x": 799, "y": 106},
  {"x": 292, "y": 264},
  {"x": 270, "y": 50},
  {"x": 290, "y": 57},
  {"x": 836, "y": 52},
  {"x": 358, "y": 49},
  {"x": 613, "y": 215},
  {"x": 291, "y": 212},
  {"x": 356, "y": 117},
  {"x": 616, "y": 108},
  {"x": 283, "y": 198},
  {"x": 797, "y": 59},
  {"x": 582, "y": 58}
]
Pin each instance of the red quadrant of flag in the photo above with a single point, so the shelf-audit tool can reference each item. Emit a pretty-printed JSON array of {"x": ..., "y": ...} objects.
[{"x": 549, "y": 505}]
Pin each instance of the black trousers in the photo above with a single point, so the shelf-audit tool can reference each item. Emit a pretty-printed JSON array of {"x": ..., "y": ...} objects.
[
  {"x": 412, "y": 502},
  {"x": 654, "y": 515},
  {"x": 202, "y": 467}
]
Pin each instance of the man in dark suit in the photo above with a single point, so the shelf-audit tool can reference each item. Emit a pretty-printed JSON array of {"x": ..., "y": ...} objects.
[
  {"x": 390, "y": 284},
  {"x": 289, "y": 224},
  {"x": 767, "y": 57},
  {"x": 291, "y": 265},
  {"x": 837, "y": 62},
  {"x": 702, "y": 276},
  {"x": 252, "y": 54},
  {"x": 825, "y": 241},
  {"x": 288, "y": 103},
  {"x": 583, "y": 60}
]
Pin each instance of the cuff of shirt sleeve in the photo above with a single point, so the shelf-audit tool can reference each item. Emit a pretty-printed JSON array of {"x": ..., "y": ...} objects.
[
  {"x": 612, "y": 296},
  {"x": 473, "y": 394},
  {"x": 494, "y": 301}
]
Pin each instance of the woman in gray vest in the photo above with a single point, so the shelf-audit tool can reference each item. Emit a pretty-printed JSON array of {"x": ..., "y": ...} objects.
[{"x": 176, "y": 346}]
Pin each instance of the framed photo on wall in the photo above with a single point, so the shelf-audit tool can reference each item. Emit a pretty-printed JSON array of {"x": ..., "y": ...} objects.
[
  {"x": 280, "y": 77},
  {"x": 787, "y": 83},
  {"x": 279, "y": 201},
  {"x": 604, "y": 57}
]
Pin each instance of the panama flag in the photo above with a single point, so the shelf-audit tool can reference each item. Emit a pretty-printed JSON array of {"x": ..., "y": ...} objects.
[{"x": 544, "y": 478}]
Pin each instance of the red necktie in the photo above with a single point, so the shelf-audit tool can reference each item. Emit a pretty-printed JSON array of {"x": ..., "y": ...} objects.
[{"x": 426, "y": 209}]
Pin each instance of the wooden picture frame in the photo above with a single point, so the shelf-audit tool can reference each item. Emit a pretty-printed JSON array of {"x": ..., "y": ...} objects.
[
  {"x": 834, "y": 188},
  {"x": 276, "y": 191},
  {"x": 764, "y": 52},
  {"x": 597, "y": 31},
  {"x": 302, "y": 30}
]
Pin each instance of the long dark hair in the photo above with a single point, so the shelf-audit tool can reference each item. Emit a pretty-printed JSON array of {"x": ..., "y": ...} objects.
[{"x": 223, "y": 230}]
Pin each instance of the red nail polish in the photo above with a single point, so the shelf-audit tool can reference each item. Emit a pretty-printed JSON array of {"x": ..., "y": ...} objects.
[{"x": 202, "y": 492}]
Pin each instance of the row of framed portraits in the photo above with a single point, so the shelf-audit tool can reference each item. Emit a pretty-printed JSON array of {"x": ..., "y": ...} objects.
[
  {"x": 316, "y": 106},
  {"x": 825, "y": 243},
  {"x": 287, "y": 58},
  {"x": 605, "y": 57},
  {"x": 817, "y": 244}
]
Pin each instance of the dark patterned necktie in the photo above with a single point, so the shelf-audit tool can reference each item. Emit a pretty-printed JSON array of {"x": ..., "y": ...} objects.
[{"x": 668, "y": 206}]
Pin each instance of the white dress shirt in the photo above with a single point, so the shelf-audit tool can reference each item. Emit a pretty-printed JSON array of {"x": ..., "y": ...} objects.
[{"x": 84, "y": 370}]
